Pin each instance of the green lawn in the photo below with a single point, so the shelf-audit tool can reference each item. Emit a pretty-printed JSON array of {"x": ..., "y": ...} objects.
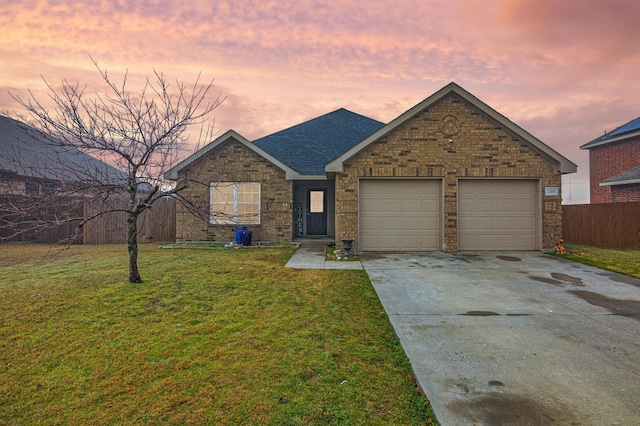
[
  {"x": 211, "y": 337},
  {"x": 624, "y": 261}
]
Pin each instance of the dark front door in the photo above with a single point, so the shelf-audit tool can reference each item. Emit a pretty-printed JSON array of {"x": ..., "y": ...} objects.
[{"x": 317, "y": 212}]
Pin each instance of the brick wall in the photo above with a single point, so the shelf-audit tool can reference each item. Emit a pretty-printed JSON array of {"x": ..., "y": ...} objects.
[
  {"x": 609, "y": 160},
  {"x": 234, "y": 162},
  {"x": 625, "y": 193},
  {"x": 419, "y": 148}
]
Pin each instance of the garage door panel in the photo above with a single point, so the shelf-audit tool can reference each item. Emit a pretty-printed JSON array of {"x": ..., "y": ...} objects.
[
  {"x": 497, "y": 214},
  {"x": 525, "y": 206},
  {"x": 407, "y": 214},
  {"x": 485, "y": 205},
  {"x": 505, "y": 224},
  {"x": 409, "y": 206},
  {"x": 502, "y": 205},
  {"x": 525, "y": 224},
  {"x": 485, "y": 222}
]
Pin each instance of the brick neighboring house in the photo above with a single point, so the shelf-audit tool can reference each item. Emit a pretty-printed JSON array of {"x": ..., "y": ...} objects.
[
  {"x": 614, "y": 165},
  {"x": 449, "y": 174}
]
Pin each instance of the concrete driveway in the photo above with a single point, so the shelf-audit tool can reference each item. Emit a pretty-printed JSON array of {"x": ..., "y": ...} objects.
[{"x": 519, "y": 338}]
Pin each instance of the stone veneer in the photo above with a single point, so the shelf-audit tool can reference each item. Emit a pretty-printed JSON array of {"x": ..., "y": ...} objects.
[
  {"x": 234, "y": 162},
  {"x": 418, "y": 148}
]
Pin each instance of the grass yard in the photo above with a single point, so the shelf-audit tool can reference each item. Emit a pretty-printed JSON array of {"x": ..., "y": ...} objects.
[
  {"x": 624, "y": 261},
  {"x": 210, "y": 337}
]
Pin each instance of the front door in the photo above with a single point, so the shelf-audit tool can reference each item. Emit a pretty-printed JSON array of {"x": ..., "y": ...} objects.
[{"x": 317, "y": 212}]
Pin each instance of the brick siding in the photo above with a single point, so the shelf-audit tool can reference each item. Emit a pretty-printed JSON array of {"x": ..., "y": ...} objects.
[
  {"x": 609, "y": 160},
  {"x": 418, "y": 148},
  {"x": 625, "y": 193},
  {"x": 234, "y": 162}
]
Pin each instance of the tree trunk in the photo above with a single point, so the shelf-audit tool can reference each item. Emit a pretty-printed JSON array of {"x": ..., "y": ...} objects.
[{"x": 132, "y": 245}]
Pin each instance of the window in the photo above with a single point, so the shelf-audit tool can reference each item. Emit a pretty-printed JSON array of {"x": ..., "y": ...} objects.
[{"x": 235, "y": 202}]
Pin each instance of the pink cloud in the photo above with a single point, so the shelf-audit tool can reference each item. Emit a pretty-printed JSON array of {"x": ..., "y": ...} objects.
[{"x": 564, "y": 70}]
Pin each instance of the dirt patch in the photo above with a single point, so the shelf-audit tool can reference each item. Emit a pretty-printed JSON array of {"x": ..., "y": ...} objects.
[
  {"x": 625, "y": 308},
  {"x": 504, "y": 409}
]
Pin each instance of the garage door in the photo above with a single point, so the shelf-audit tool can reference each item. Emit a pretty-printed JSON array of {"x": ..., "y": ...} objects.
[
  {"x": 497, "y": 214},
  {"x": 400, "y": 215}
]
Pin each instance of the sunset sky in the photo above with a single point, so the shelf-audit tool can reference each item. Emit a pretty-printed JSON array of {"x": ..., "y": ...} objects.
[{"x": 564, "y": 70}]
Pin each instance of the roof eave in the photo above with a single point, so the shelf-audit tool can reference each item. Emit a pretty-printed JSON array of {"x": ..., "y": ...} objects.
[
  {"x": 622, "y": 137},
  {"x": 172, "y": 174},
  {"x": 620, "y": 182}
]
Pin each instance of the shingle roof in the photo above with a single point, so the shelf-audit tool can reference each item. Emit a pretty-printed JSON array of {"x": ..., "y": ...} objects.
[
  {"x": 308, "y": 146},
  {"x": 627, "y": 130},
  {"x": 24, "y": 152},
  {"x": 627, "y": 177}
]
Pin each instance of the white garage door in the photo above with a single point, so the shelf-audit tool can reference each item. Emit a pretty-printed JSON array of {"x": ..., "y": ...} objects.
[
  {"x": 497, "y": 214},
  {"x": 400, "y": 215}
]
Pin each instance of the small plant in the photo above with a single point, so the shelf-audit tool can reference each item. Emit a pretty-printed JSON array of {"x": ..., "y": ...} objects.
[{"x": 337, "y": 254}]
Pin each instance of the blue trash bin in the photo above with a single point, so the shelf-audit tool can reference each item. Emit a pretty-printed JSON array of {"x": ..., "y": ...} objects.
[
  {"x": 246, "y": 237},
  {"x": 239, "y": 232}
]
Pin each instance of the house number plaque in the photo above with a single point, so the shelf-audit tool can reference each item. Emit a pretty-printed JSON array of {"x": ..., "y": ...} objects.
[{"x": 551, "y": 191}]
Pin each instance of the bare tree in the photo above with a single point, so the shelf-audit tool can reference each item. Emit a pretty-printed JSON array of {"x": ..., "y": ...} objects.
[{"x": 140, "y": 134}]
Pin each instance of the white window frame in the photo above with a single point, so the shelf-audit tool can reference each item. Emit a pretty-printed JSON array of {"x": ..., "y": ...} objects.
[{"x": 232, "y": 218}]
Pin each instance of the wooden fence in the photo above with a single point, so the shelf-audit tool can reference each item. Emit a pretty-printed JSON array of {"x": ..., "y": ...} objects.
[
  {"x": 612, "y": 225},
  {"x": 21, "y": 230},
  {"x": 155, "y": 225}
]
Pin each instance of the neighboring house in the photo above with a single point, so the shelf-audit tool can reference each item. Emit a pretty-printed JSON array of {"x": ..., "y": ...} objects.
[
  {"x": 614, "y": 165},
  {"x": 449, "y": 174},
  {"x": 32, "y": 173},
  {"x": 31, "y": 165}
]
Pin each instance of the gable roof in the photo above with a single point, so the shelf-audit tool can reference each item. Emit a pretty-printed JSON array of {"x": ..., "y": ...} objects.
[
  {"x": 25, "y": 152},
  {"x": 627, "y": 177},
  {"x": 172, "y": 174},
  {"x": 308, "y": 146},
  {"x": 626, "y": 131},
  {"x": 565, "y": 165}
]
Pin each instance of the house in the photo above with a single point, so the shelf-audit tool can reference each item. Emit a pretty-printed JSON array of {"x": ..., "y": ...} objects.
[
  {"x": 41, "y": 184},
  {"x": 614, "y": 165},
  {"x": 449, "y": 174},
  {"x": 31, "y": 165}
]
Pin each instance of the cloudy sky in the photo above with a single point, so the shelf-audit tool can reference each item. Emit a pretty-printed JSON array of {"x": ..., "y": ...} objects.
[{"x": 565, "y": 71}]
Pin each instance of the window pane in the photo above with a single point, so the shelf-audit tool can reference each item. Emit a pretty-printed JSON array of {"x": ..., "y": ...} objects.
[
  {"x": 235, "y": 202},
  {"x": 222, "y": 192},
  {"x": 316, "y": 201}
]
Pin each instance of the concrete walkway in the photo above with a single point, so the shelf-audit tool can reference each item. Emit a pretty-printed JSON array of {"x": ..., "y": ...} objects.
[{"x": 312, "y": 256}]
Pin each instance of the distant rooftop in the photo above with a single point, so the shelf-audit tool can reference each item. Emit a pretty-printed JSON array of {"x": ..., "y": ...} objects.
[
  {"x": 632, "y": 128},
  {"x": 308, "y": 146},
  {"x": 625, "y": 178},
  {"x": 629, "y": 127},
  {"x": 24, "y": 152}
]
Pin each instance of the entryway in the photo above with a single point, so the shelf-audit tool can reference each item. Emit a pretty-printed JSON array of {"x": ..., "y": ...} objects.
[{"x": 314, "y": 207}]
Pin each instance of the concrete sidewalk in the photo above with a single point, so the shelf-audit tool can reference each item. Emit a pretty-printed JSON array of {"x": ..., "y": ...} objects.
[{"x": 312, "y": 256}]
